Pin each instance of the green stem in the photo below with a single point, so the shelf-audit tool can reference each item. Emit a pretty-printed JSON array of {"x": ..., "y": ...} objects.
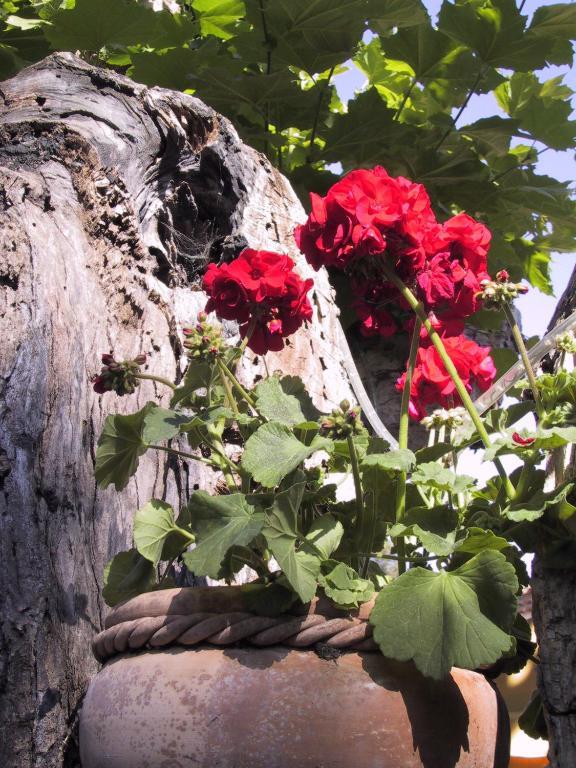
[
  {"x": 159, "y": 379},
  {"x": 183, "y": 454},
  {"x": 406, "y": 97},
  {"x": 521, "y": 347},
  {"x": 409, "y": 559},
  {"x": 187, "y": 534},
  {"x": 249, "y": 332},
  {"x": 359, "y": 494},
  {"x": 418, "y": 309},
  {"x": 403, "y": 441},
  {"x": 236, "y": 384},
  {"x": 323, "y": 88},
  {"x": 465, "y": 103},
  {"x": 524, "y": 479}
]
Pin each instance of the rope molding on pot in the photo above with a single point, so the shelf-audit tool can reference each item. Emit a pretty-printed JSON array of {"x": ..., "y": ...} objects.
[{"x": 222, "y": 629}]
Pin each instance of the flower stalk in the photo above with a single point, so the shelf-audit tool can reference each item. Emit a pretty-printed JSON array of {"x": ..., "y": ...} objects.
[
  {"x": 418, "y": 309},
  {"x": 521, "y": 347},
  {"x": 403, "y": 441}
]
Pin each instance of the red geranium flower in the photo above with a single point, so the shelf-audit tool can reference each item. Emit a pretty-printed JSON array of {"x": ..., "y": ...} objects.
[
  {"x": 433, "y": 385},
  {"x": 261, "y": 291}
]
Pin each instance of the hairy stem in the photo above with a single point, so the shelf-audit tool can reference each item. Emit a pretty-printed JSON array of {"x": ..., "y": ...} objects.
[
  {"x": 521, "y": 347},
  {"x": 236, "y": 384},
  {"x": 418, "y": 309},
  {"x": 403, "y": 441},
  {"x": 159, "y": 379}
]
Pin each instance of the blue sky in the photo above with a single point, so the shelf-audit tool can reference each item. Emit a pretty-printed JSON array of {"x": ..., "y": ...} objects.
[{"x": 536, "y": 308}]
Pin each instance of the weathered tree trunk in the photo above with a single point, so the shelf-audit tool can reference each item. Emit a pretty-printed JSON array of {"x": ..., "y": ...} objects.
[
  {"x": 554, "y": 612},
  {"x": 112, "y": 198}
]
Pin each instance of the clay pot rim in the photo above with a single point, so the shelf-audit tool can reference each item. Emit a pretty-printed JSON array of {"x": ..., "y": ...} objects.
[{"x": 218, "y": 599}]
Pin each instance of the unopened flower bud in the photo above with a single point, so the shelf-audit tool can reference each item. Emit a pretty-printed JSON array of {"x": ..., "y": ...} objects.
[
  {"x": 502, "y": 276},
  {"x": 202, "y": 317},
  {"x": 140, "y": 359},
  {"x": 188, "y": 331},
  {"x": 345, "y": 405},
  {"x": 566, "y": 342},
  {"x": 522, "y": 441},
  {"x": 107, "y": 359}
]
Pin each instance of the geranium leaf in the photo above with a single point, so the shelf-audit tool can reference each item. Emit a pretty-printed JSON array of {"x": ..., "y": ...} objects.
[
  {"x": 219, "y": 522},
  {"x": 433, "y": 475},
  {"x": 325, "y": 535},
  {"x": 128, "y": 574},
  {"x": 119, "y": 447},
  {"x": 301, "y": 567},
  {"x": 153, "y": 526},
  {"x": 199, "y": 375},
  {"x": 162, "y": 424},
  {"x": 343, "y": 585},
  {"x": 400, "y": 460},
  {"x": 435, "y": 528},
  {"x": 285, "y": 401},
  {"x": 437, "y": 619},
  {"x": 273, "y": 451},
  {"x": 533, "y": 508},
  {"x": 478, "y": 540}
]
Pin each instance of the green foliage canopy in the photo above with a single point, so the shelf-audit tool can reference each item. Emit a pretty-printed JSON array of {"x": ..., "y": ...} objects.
[{"x": 269, "y": 65}]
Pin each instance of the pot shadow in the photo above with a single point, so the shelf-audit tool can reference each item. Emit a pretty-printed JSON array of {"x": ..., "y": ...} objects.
[
  {"x": 264, "y": 659},
  {"x": 436, "y": 709}
]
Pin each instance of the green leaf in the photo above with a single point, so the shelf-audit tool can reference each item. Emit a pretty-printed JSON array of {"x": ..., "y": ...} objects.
[
  {"x": 119, "y": 447},
  {"x": 343, "y": 585},
  {"x": 477, "y": 540},
  {"x": 499, "y": 419},
  {"x": 357, "y": 138},
  {"x": 128, "y": 574},
  {"x": 301, "y": 567},
  {"x": 555, "y": 437},
  {"x": 533, "y": 508},
  {"x": 162, "y": 424},
  {"x": 496, "y": 30},
  {"x": 400, "y": 460},
  {"x": 395, "y": 13},
  {"x": 219, "y": 522},
  {"x": 273, "y": 451},
  {"x": 433, "y": 475},
  {"x": 199, "y": 375},
  {"x": 532, "y": 720},
  {"x": 89, "y": 26},
  {"x": 218, "y": 17},
  {"x": 310, "y": 36},
  {"x": 555, "y": 21},
  {"x": 325, "y": 535},
  {"x": 494, "y": 581},
  {"x": 285, "y": 401},
  {"x": 446, "y": 619},
  {"x": 435, "y": 528},
  {"x": 541, "y": 108},
  {"x": 153, "y": 525}
]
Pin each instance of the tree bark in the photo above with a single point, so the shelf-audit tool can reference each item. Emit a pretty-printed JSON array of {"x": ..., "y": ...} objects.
[
  {"x": 554, "y": 612},
  {"x": 113, "y": 197}
]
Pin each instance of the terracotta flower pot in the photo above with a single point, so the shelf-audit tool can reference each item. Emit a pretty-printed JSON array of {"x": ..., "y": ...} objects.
[{"x": 212, "y": 686}]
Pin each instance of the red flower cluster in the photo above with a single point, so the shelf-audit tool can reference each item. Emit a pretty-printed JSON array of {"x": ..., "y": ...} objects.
[
  {"x": 369, "y": 216},
  {"x": 370, "y": 219},
  {"x": 433, "y": 385},
  {"x": 261, "y": 291}
]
